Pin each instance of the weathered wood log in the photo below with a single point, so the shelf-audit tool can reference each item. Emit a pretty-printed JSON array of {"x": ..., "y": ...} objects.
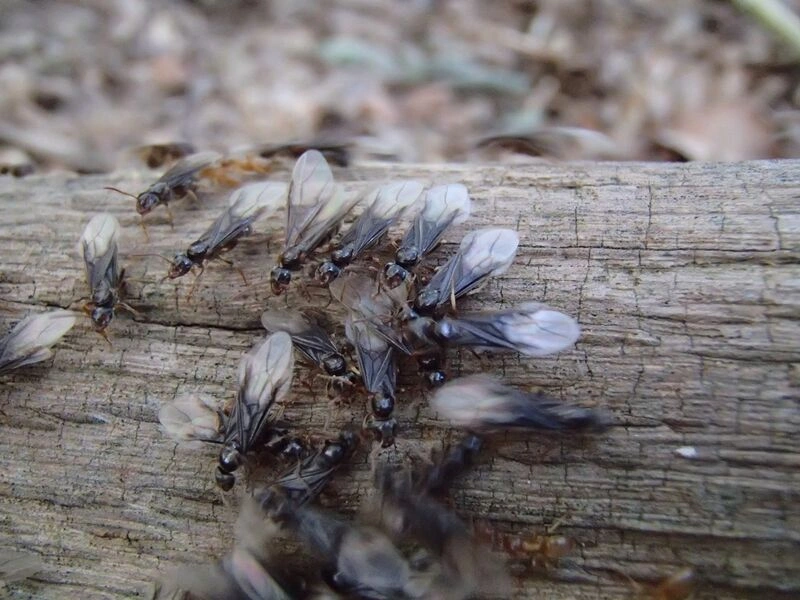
[{"x": 685, "y": 279}]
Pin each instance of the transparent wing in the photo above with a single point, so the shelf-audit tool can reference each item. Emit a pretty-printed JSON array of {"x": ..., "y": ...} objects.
[
  {"x": 30, "y": 340},
  {"x": 374, "y": 305},
  {"x": 385, "y": 205},
  {"x": 480, "y": 403},
  {"x": 258, "y": 197},
  {"x": 482, "y": 254},
  {"x": 265, "y": 377},
  {"x": 370, "y": 565},
  {"x": 245, "y": 205},
  {"x": 99, "y": 246},
  {"x": 445, "y": 205},
  {"x": 531, "y": 329},
  {"x": 306, "y": 480},
  {"x": 308, "y": 336},
  {"x": 316, "y": 203},
  {"x": 186, "y": 168},
  {"x": 191, "y": 418},
  {"x": 375, "y": 355}
]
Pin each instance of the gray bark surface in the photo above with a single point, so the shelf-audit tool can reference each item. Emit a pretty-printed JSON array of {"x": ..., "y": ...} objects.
[{"x": 685, "y": 279}]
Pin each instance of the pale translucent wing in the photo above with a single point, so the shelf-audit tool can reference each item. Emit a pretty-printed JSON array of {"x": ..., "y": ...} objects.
[
  {"x": 480, "y": 403},
  {"x": 265, "y": 373},
  {"x": 252, "y": 578},
  {"x": 386, "y": 205},
  {"x": 487, "y": 253},
  {"x": 373, "y": 305},
  {"x": 187, "y": 167},
  {"x": 29, "y": 341},
  {"x": 538, "y": 330},
  {"x": 316, "y": 203},
  {"x": 445, "y": 205},
  {"x": 364, "y": 296},
  {"x": 99, "y": 247},
  {"x": 309, "y": 337},
  {"x": 531, "y": 329},
  {"x": 191, "y": 418},
  {"x": 257, "y": 198},
  {"x": 265, "y": 377},
  {"x": 369, "y": 562},
  {"x": 483, "y": 253},
  {"x": 245, "y": 205},
  {"x": 375, "y": 355}
]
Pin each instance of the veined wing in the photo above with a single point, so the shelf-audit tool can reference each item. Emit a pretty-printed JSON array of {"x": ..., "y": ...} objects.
[
  {"x": 189, "y": 418},
  {"x": 245, "y": 205},
  {"x": 445, "y": 205},
  {"x": 30, "y": 340},
  {"x": 304, "y": 482},
  {"x": 480, "y": 403},
  {"x": 316, "y": 203},
  {"x": 482, "y": 254},
  {"x": 370, "y": 303},
  {"x": 385, "y": 205},
  {"x": 186, "y": 168},
  {"x": 531, "y": 329},
  {"x": 265, "y": 377},
  {"x": 99, "y": 246},
  {"x": 375, "y": 355},
  {"x": 308, "y": 336}
]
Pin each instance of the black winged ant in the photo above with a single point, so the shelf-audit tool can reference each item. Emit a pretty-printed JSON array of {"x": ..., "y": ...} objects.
[
  {"x": 245, "y": 205},
  {"x": 445, "y": 205},
  {"x": 384, "y": 206},
  {"x": 315, "y": 208},
  {"x": 480, "y": 403},
  {"x": 265, "y": 377},
  {"x": 313, "y": 342},
  {"x": 106, "y": 280}
]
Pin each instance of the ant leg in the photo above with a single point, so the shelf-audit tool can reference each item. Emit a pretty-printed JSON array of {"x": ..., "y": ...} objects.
[
  {"x": 105, "y": 337},
  {"x": 144, "y": 229},
  {"x": 130, "y": 309},
  {"x": 194, "y": 284},
  {"x": 171, "y": 217},
  {"x": 231, "y": 264}
]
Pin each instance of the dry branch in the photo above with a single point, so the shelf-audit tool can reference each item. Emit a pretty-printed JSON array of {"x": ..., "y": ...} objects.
[{"x": 685, "y": 278}]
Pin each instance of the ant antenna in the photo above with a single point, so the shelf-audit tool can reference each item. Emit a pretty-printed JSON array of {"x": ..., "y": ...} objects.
[{"x": 113, "y": 189}]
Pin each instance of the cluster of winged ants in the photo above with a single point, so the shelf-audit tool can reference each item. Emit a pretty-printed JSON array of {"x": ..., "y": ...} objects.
[{"x": 407, "y": 543}]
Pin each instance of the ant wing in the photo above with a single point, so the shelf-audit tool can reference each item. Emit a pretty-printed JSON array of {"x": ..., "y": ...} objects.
[
  {"x": 531, "y": 329},
  {"x": 265, "y": 377},
  {"x": 245, "y": 205},
  {"x": 189, "y": 418},
  {"x": 385, "y": 205},
  {"x": 316, "y": 204},
  {"x": 372, "y": 304},
  {"x": 375, "y": 356},
  {"x": 187, "y": 168},
  {"x": 482, "y": 254},
  {"x": 99, "y": 246},
  {"x": 480, "y": 403},
  {"x": 305, "y": 481},
  {"x": 30, "y": 340},
  {"x": 308, "y": 336},
  {"x": 445, "y": 205}
]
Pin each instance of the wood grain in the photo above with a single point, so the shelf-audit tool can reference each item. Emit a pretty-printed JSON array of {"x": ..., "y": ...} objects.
[{"x": 685, "y": 279}]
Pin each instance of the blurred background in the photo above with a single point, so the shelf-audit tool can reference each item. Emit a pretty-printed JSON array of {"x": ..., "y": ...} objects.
[{"x": 405, "y": 80}]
